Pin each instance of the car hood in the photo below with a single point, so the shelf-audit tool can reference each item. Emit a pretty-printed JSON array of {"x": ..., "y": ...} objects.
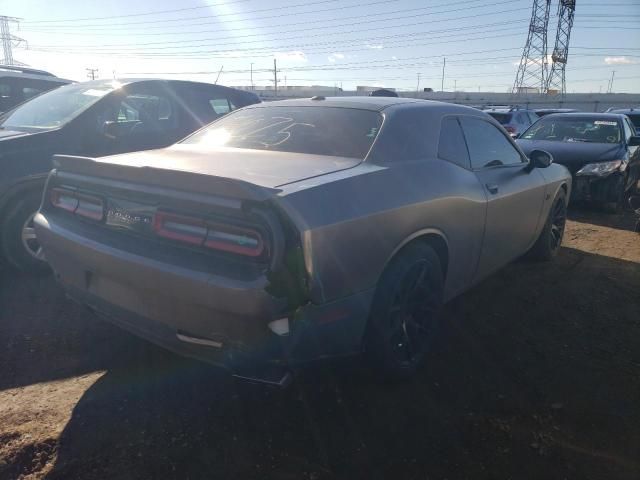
[
  {"x": 574, "y": 155},
  {"x": 264, "y": 168}
]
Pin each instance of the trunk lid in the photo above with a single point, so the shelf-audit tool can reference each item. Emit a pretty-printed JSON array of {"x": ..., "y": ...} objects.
[{"x": 232, "y": 172}]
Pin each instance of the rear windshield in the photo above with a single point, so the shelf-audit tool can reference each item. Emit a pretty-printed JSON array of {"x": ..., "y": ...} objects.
[
  {"x": 564, "y": 128},
  {"x": 502, "y": 118},
  {"x": 342, "y": 132}
]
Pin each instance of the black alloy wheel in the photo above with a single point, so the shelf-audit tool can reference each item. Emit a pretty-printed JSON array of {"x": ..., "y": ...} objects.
[{"x": 405, "y": 311}]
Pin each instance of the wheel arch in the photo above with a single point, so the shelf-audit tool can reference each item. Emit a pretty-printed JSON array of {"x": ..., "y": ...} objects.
[{"x": 433, "y": 237}]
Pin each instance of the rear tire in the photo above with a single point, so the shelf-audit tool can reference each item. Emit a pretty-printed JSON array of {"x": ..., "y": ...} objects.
[
  {"x": 19, "y": 245},
  {"x": 405, "y": 311},
  {"x": 550, "y": 240}
]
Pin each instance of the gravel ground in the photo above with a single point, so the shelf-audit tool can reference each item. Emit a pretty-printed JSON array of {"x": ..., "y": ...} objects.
[{"x": 536, "y": 375}]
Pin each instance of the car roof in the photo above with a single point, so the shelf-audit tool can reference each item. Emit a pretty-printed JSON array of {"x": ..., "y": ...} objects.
[
  {"x": 625, "y": 110},
  {"x": 598, "y": 116},
  {"x": 363, "y": 103}
]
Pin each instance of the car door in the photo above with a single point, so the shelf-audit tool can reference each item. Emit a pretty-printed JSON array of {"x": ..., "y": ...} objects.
[{"x": 515, "y": 195}]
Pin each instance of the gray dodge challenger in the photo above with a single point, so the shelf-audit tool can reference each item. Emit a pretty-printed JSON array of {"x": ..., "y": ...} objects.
[{"x": 297, "y": 230}]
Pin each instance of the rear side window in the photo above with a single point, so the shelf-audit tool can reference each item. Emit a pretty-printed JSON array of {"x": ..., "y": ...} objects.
[
  {"x": 404, "y": 136},
  {"x": 488, "y": 146},
  {"x": 451, "y": 146},
  {"x": 206, "y": 104},
  {"x": 342, "y": 132}
]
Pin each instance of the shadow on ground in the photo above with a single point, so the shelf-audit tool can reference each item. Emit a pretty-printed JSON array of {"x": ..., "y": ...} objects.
[{"x": 536, "y": 375}]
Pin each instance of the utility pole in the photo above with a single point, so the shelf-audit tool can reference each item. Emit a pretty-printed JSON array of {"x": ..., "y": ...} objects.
[
  {"x": 444, "y": 64},
  {"x": 219, "y": 72},
  {"x": 252, "y": 76},
  {"x": 613, "y": 75},
  {"x": 8, "y": 40},
  {"x": 418, "y": 85},
  {"x": 455, "y": 86},
  {"x": 92, "y": 73},
  {"x": 275, "y": 77}
]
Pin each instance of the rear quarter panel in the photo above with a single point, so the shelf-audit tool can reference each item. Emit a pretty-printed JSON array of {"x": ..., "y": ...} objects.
[{"x": 353, "y": 222}]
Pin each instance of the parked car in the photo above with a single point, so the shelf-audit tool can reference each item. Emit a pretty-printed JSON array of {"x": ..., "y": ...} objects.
[
  {"x": 18, "y": 84},
  {"x": 632, "y": 113},
  {"x": 541, "y": 112},
  {"x": 599, "y": 149},
  {"x": 303, "y": 229},
  {"x": 96, "y": 118},
  {"x": 383, "y": 92},
  {"x": 514, "y": 120}
]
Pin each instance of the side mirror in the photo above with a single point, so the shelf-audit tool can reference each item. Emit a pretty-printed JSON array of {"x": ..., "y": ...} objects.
[
  {"x": 540, "y": 159},
  {"x": 634, "y": 141}
]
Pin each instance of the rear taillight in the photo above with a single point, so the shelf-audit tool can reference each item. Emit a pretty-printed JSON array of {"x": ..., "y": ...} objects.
[
  {"x": 87, "y": 206},
  {"x": 510, "y": 129},
  {"x": 216, "y": 236}
]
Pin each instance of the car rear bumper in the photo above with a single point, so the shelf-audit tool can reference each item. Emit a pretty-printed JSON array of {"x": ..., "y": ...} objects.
[{"x": 220, "y": 320}]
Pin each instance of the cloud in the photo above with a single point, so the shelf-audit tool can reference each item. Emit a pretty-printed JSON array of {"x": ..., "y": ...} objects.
[
  {"x": 618, "y": 61},
  {"x": 335, "y": 56},
  {"x": 374, "y": 46},
  {"x": 394, "y": 58},
  {"x": 294, "y": 56}
]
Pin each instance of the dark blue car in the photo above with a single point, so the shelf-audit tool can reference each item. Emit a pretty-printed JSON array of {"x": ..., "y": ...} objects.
[
  {"x": 599, "y": 149},
  {"x": 97, "y": 118}
]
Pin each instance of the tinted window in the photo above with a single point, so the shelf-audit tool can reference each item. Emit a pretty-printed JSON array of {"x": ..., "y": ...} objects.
[
  {"x": 487, "y": 145},
  {"x": 533, "y": 117},
  {"x": 206, "y": 104},
  {"x": 343, "y": 132},
  {"x": 451, "y": 145},
  {"x": 628, "y": 131},
  {"x": 635, "y": 119},
  {"x": 522, "y": 118},
  {"x": 403, "y": 136},
  {"x": 565, "y": 128},
  {"x": 502, "y": 118}
]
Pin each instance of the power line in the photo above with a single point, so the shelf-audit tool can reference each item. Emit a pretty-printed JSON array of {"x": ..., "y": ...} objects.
[
  {"x": 217, "y": 21},
  {"x": 318, "y": 2},
  {"x": 349, "y": 25}
]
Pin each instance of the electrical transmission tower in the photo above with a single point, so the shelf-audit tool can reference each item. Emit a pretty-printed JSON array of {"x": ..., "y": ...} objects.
[
  {"x": 532, "y": 72},
  {"x": 8, "y": 40},
  {"x": 556, "y": 80}
]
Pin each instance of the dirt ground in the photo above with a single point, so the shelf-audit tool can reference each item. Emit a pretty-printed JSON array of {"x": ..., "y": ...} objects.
[{"x": 536, "y": 376}]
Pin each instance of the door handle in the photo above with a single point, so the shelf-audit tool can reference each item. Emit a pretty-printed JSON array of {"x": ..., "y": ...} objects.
[{"x": 492, "y": 187}]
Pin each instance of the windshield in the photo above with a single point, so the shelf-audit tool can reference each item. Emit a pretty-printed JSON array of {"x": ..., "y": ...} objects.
[
  {"x": 57, "y": 107},
  {"x": 343, "y": 132},
  {"x": 573, "y": 129},
  {"x": 502, "y": 118}
]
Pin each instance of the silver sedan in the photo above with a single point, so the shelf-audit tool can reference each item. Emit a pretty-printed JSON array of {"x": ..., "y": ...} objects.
[{"x": 296, "y": 230}]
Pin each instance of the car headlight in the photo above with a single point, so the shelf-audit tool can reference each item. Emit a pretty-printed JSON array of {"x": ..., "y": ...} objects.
[{"x": 600, "y": 169}]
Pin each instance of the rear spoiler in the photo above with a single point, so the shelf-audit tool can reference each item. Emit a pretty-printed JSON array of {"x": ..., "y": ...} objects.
[{"x": 175, "y": 179}]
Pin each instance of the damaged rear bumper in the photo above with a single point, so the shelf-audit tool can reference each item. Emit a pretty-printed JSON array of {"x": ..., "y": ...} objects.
[{"x": 220, "y": 320}]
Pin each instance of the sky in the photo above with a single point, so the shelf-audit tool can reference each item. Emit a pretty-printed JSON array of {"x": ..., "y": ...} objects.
[{"x": 343, "y": 43}]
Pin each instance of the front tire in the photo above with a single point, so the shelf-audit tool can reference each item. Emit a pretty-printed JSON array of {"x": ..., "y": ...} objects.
[
  {"x": 405, "y": 311},
  {"x": 19, "y": 243},
  {"x": 550, "y": 240}
]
